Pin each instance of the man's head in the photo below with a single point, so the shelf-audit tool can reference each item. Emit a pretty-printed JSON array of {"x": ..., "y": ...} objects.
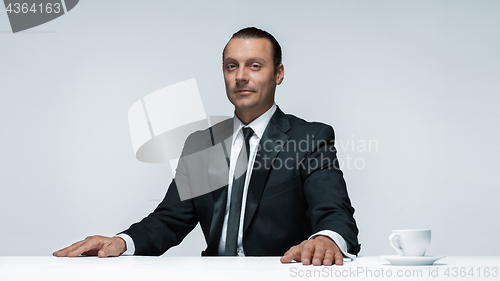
[
  {"x": 255, "y": 33},
  {"x": 252, "y": 68}
]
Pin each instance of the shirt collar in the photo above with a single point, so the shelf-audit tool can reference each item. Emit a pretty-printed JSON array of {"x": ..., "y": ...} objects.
[{"x": 258, "y": 125}]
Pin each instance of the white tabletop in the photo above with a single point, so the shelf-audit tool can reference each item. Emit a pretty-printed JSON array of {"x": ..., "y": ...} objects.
[{"x": 238, "y": 268}]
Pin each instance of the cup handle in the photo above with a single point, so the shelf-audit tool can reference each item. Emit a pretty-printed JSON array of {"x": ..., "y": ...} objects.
[{"x": 394, "y": 242}]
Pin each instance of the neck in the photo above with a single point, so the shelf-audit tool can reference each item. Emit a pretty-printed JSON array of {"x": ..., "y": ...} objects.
[{"x": 246, "y": 116}]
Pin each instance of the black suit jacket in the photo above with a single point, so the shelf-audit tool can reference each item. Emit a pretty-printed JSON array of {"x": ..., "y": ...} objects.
[{"x": 296, "y": 189}]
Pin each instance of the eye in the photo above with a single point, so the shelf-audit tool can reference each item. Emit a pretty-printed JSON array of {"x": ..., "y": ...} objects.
[
  {"x": 230, "y": 66},
  {"x": 255, "y": 66}
]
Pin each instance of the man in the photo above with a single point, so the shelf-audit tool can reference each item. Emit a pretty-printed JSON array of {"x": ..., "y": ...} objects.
[{"x": 299, "y": 209}]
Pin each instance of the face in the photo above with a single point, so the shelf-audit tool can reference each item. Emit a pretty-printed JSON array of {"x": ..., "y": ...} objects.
[{"x": 249, "y": 74}]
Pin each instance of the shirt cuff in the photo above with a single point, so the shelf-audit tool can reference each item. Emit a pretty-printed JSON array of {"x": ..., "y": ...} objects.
[
  {"x": 339, "y": 240},
  {"x": 129, "y": 242}
]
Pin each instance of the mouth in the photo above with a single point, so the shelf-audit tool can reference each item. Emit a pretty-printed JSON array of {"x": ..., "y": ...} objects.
[{"x": 244, "y": 92}]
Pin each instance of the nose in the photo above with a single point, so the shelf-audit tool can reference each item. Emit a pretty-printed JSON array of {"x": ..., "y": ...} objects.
[{"x": 242, "y": 75}]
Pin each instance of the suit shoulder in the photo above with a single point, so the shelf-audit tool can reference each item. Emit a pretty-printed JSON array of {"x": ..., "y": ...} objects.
[
  {"x": 297, "y": 123},
  {"x": 200, "y": 139},
  {"x": 225, "y": 125}
]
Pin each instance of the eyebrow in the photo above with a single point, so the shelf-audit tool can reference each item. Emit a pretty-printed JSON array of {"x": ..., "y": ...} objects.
[{"x": 250, "y": 59}]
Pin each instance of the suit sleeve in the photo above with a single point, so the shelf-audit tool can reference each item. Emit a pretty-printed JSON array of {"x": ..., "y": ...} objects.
[
  {"x": 167, "y": 225},
  {"x": 329, "y": 206}
]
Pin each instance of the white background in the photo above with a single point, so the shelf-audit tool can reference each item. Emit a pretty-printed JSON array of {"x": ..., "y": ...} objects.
[{"x": 418, "y": 78}]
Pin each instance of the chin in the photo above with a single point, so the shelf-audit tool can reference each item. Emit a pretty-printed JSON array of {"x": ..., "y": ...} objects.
[
  {"x": 244, "y": 106},
  {"x": 244, "y": 103}
]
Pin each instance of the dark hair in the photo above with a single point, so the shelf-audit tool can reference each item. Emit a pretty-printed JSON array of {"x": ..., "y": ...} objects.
[{"x": 255, "y": 33}]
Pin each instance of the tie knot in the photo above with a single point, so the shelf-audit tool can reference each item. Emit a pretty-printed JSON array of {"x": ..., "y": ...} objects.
[{"x": 247, "y": 133}]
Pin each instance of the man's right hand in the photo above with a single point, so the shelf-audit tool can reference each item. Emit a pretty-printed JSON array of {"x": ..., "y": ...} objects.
[{"x": 96, "y": 245}]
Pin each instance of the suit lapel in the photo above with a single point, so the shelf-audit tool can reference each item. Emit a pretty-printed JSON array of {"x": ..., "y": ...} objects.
[{"x": 271, "y": 143}]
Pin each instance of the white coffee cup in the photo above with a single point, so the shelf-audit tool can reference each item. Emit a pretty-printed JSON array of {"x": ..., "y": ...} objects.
[{"x": 410, "y": 242}]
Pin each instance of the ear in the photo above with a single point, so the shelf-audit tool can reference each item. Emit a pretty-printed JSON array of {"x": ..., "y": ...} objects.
[{"x": 280, "y": 74}]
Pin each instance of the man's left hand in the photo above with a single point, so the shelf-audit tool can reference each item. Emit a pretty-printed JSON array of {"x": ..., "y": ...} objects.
[{"x": 321, "y": 250}]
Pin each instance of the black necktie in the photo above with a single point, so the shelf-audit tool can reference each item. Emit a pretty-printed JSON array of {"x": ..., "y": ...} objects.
[{"x": 240, "y": 173}]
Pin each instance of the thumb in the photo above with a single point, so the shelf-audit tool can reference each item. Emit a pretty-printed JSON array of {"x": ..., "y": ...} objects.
[
  {"x": 109, "y": 250},
  {"x": 103, "y": 252}
]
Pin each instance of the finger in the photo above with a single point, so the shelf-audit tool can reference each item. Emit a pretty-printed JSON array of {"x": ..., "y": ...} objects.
[
  {"x": 307, "y": 251},
  {"x": 87, "y": 247},
  {"x": 339, "y": 258},
  {"x": 329, "y": 258},
  {"x": 319, "y": 254},
  {"x": 64, "y": 252},
  {"x": 292, "y": 254}
]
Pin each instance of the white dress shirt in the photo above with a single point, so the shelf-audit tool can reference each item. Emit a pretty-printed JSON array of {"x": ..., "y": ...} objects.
[{"x": 258, "y": 126}]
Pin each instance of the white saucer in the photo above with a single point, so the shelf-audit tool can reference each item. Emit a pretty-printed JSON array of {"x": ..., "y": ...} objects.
[{"x": 404, "y": 260}]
